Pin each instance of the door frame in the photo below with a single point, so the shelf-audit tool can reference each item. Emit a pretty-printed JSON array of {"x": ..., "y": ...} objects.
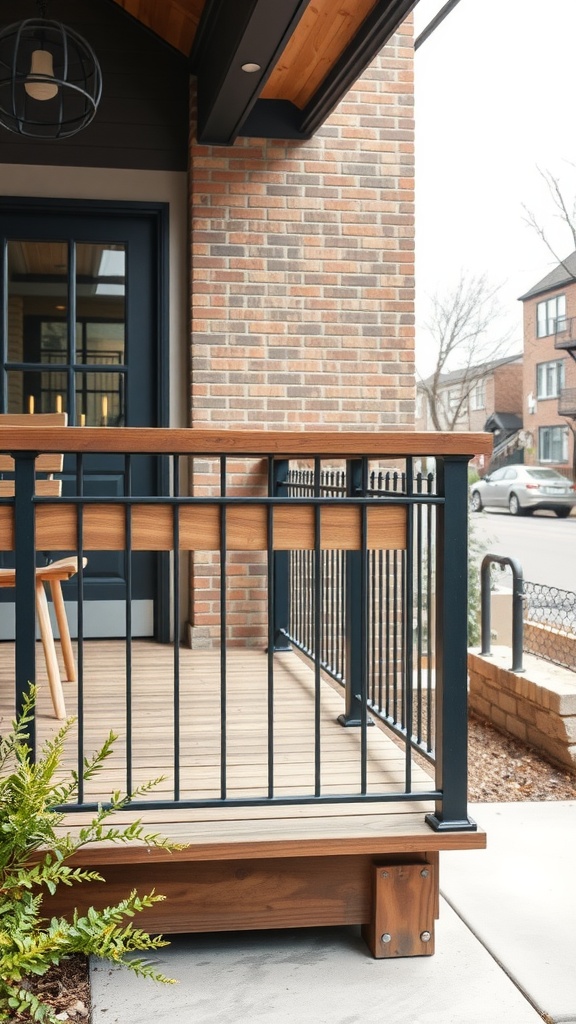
[{"x": 157, "y": 214}]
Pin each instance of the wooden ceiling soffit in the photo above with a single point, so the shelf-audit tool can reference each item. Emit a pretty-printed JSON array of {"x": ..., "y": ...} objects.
[
  {"x": 282, "y": 118},
  {"x": 232, "y": 33}
]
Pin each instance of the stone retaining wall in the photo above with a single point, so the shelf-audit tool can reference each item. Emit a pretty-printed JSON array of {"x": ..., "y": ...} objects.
[{"x": 537, "y": 706}]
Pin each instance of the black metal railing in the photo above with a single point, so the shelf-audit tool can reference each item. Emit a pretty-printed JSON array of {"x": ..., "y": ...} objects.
[
  {"x": 565, "y": 332},
  {"x": 359, "y": 570},
  {"x": 400, "y": 620},
  {"x": 517, "y": 606},
  {"x": 567, "y": 402}
]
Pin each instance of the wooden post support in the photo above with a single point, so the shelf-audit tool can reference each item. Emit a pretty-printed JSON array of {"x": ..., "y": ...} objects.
[{"x": 403, "y": 910}]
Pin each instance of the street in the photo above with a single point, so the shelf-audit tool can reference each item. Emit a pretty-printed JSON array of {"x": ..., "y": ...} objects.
[{"x": 544, "y": 545}]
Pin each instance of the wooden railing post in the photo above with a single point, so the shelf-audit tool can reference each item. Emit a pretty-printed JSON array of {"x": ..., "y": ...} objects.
[
  {"x": 25, "y": 591},
  {"x": 281, "y": 584},
  {"x": 451, "y": 813}
]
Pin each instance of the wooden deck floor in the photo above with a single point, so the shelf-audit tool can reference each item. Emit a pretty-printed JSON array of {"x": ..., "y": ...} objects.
[
  {"x": 356, "y": 824},
  {"x": 266, "y": 866}
]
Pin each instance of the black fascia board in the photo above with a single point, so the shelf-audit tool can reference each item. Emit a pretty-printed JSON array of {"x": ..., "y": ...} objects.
[
  {"x": 375, "y": 31},
  {"x": 273, "y": 119},
  {"x": 232, "y": 33}
]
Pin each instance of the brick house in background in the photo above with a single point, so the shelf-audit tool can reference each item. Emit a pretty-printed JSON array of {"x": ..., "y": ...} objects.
[
  {"x": 482, "y": 391},
  {"x": 550, "y": 367}
]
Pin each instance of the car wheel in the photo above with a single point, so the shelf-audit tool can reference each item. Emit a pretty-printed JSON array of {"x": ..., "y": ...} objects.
[
  {"x": 476, "y": 502},
  {"x": 562, "y": 513},
  {"x": 514, "y": 505}
]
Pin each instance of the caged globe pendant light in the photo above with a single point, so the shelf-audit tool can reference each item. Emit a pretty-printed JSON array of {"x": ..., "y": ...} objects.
[{"x": 50, "y": 79}]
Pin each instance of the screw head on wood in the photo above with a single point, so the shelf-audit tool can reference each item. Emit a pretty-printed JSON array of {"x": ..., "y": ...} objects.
[
  {"x": 386, "y": 937},
  {"x": 384, "y": 874},
  {"x": 425, "y": 936},
  {"x": 425, "y": 873}
]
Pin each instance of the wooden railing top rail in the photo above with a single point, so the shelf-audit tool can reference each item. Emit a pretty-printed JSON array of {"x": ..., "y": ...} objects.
[{"x": 286, "y": 443}]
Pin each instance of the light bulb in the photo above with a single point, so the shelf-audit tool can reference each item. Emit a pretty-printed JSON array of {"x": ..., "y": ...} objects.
[{"x": 42, "y": 64}]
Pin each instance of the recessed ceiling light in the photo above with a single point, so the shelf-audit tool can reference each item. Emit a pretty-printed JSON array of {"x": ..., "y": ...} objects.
[{"x": 251, "y": 68}]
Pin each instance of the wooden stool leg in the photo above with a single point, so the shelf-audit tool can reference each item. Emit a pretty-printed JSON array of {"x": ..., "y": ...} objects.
[
  {"x": 62, "y": 620},
  {"x": 47, "y": 636}
]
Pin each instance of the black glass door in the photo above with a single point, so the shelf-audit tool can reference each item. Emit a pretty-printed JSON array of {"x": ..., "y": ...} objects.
[{"x": 80, "y": 334}]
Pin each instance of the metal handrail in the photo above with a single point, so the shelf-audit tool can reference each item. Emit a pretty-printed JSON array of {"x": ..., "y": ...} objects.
[{"x": 517, "y": 607}]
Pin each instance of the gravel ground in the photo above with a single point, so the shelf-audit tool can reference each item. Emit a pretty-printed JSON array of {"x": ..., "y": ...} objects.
[{"x": 501, "y": 769}]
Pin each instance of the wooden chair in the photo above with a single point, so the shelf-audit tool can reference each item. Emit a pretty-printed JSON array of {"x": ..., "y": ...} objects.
[{"x": 52, "y": 574}]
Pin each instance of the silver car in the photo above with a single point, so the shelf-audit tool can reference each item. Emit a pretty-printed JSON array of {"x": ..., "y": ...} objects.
[{"x": 523, "y": 489}]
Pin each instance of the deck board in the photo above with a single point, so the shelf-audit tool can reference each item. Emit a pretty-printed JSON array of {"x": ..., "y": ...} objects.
[{"x": 292, "y": 830}]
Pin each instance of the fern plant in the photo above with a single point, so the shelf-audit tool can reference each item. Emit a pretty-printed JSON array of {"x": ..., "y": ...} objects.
[{"x": 34, "y": 851}]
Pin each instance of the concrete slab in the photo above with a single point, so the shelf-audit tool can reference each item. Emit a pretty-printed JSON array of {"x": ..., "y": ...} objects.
[
  {"x": 519, "y": 897},
  {"x": 313, "y": 976}
]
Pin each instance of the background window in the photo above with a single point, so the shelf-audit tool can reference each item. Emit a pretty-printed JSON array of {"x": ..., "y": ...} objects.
[
  {"x": 549, "y": 379},
  {"x": 553, "y": 444},
  {"x": 550, "y": 315},
  {"x": 478, "y": 395}
]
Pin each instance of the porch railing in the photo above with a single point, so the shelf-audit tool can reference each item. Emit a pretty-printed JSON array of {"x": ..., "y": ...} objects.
[
  {"x": 361, "y": 566},
  {"x": 399, "y": 634}
]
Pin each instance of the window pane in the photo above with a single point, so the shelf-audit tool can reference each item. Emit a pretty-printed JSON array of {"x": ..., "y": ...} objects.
[
  {"x": 37, "y": 291},
  {"x": 32, "y": 391},
  {"x": 541, "y": 310},
  {"x": 100, "y": 399},
  {"x": 100, "y": 302}
]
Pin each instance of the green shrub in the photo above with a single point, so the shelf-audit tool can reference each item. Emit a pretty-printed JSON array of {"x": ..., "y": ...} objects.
[{"x": 33, "y": 860}]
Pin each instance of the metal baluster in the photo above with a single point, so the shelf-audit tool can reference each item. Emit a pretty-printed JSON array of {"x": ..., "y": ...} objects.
[
  {"x": 80, "y": 623},
  {"x": 223, "y": 635},
  {"x": 128, "y": 611},
  {"x": 176, "y": 638}
]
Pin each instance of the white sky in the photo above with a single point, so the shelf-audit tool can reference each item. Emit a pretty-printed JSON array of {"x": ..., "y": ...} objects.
[{"x": 494, "y": 101}]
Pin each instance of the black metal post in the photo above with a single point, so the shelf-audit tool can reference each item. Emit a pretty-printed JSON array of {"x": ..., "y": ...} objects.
[
  {"x": 451, "y": 812},
  {"x": 25, "y": 597},
  {"x": 281, "y": 575},
  {"x": 354, "y": 668},
  {"x": 517, "y": 607}
]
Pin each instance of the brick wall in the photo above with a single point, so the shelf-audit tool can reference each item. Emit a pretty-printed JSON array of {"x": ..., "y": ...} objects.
[
  {"x": 302, "y": 273},
  {"x": 541, "y": 350},
  {"x": 508, "y": 388}
]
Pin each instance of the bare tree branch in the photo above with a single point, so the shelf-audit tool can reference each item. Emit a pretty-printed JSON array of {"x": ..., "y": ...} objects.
[
  {"x": 465, "y": 331},
  {"x": 566, "y": 214}
]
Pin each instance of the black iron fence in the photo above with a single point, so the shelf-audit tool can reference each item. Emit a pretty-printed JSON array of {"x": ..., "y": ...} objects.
[
  {"x": 397, "y": 592},
  {"x": 357, "y": 566}
]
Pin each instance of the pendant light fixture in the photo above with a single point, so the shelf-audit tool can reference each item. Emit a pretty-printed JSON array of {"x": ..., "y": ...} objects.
[{"x": 50, "y": 79}]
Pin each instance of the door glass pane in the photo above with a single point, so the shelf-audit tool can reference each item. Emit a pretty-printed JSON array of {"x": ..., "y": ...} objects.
[
  {"x": 100, "y": 399},
  {"x": 100, "y": 303},
  {"x": 37, "y": 294}
]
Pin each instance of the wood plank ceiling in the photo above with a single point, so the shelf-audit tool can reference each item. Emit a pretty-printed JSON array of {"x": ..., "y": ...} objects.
[{"x": 307, "y": 54}]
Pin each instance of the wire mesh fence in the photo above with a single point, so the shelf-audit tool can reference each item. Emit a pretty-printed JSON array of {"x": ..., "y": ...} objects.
[{"x": 550, "y": 623}]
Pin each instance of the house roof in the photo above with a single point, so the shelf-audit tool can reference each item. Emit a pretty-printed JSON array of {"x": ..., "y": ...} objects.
[
  {"x": 479, "y": 371},
  {"x": 304, "y": 57},
  {"x": 506, "y": 421},
  {"x": 563, "y": 273}
]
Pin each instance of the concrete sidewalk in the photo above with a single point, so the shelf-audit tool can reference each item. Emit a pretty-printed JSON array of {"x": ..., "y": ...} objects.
[{"x": 509, "y": 947}]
